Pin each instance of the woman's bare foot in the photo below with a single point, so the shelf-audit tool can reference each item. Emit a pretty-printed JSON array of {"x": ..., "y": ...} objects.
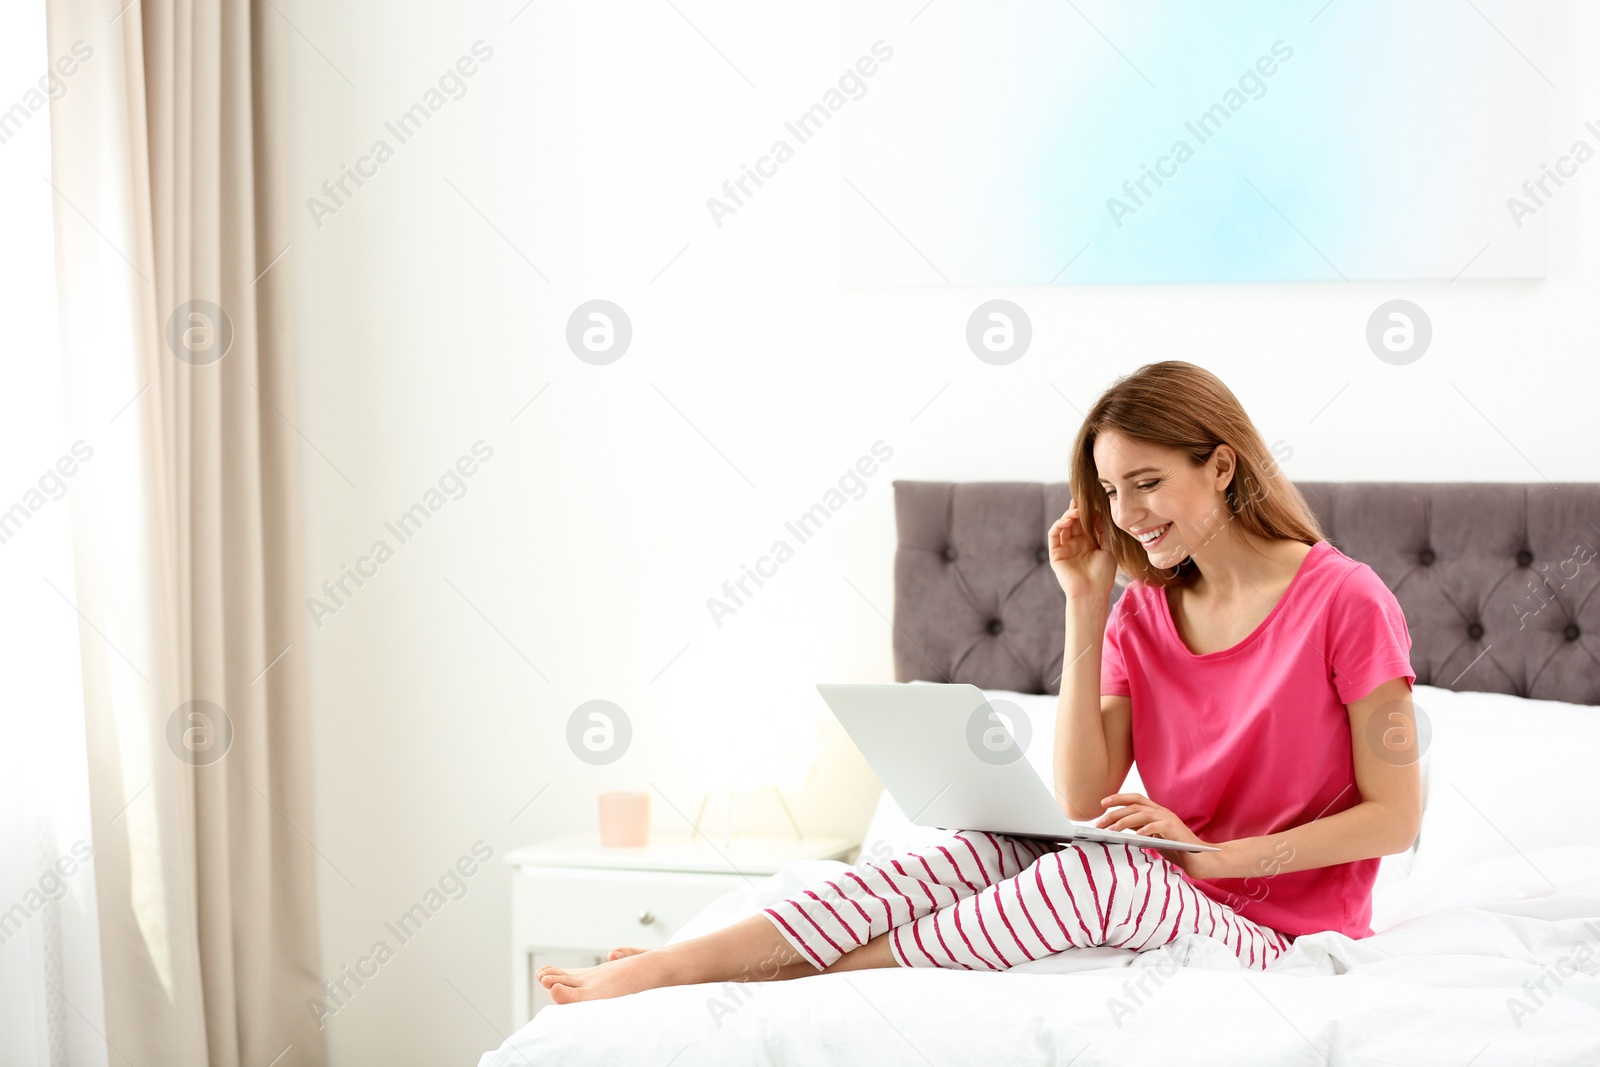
[
  {"x": 620, "y": 952},
  {"x": 638, "y": 970},
  {"x": 749, "y": 950}
]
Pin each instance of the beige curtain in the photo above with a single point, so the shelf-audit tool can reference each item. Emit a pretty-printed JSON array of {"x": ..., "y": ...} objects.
[{"x": 173, "y": 267}]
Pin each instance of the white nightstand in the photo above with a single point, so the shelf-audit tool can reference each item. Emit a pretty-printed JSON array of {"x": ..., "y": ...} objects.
[{"x": 574, "y": 900}]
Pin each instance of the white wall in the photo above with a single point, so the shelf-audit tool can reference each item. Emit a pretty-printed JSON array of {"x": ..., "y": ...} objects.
[{"x": 625, "y": 495}]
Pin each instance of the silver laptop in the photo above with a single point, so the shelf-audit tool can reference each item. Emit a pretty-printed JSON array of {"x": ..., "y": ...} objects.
[{"x": 951, "y": 762}]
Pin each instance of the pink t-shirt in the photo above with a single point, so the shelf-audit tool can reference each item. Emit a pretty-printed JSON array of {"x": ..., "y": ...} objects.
[{"x": 1255, "y": 739}]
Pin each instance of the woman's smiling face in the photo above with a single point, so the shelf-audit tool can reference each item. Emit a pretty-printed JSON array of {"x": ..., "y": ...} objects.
[{"x": 1160, "y": 497}]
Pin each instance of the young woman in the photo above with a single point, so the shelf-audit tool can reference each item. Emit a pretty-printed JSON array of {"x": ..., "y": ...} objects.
[{"x": 1261, "y": 677}]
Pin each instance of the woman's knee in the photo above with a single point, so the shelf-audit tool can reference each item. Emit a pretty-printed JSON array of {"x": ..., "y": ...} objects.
[
  {"x": 1100, "y": 880},
  {"x": 1068, "y": 879}
]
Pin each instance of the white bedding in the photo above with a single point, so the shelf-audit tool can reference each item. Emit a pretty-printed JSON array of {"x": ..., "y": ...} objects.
[{"x": 1435, "y": 984}]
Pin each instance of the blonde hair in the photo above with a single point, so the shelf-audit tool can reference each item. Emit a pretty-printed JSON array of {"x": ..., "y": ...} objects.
[{"x": 1178, "y": 405}]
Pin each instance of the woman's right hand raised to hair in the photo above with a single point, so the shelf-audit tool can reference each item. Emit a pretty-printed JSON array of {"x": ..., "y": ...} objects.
[{"x": 1083, "y": 568}]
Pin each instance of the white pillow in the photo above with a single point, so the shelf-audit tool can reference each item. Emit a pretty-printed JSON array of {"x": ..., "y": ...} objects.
[{"x": 1508, "y": 775}]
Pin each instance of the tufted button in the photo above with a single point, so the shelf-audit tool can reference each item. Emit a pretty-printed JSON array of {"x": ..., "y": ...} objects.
[
  {"x": 995, "y": 626},
  {"x": 1524, "y": 558},
  {"x": 1044, "y": 554},
  {"x": 1475, "y": 631},
  {"x": 1571, "y": 632},
  {"x": 1426, "y": 557},
  {"x": 949, "y": 554}
]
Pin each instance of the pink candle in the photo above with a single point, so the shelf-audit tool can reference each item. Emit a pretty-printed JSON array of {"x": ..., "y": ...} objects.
[{"x": 624, "y": 819}]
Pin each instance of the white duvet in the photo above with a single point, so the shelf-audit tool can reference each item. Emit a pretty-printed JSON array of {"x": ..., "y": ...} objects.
[{"x": 1494, "y": 964}]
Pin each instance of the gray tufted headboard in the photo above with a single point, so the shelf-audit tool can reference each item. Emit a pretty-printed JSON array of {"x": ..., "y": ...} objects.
[{"x": 1497, "y": 580}]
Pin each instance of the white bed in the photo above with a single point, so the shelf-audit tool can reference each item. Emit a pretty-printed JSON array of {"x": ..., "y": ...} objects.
[{"x": 1501, "y": 894}]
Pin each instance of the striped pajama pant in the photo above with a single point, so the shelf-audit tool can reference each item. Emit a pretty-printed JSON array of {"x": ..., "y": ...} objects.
[{"x": 979, "y": 901}]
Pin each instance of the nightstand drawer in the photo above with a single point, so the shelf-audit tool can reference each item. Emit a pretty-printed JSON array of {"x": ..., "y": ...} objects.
[{"x": 585, "y": 909}]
